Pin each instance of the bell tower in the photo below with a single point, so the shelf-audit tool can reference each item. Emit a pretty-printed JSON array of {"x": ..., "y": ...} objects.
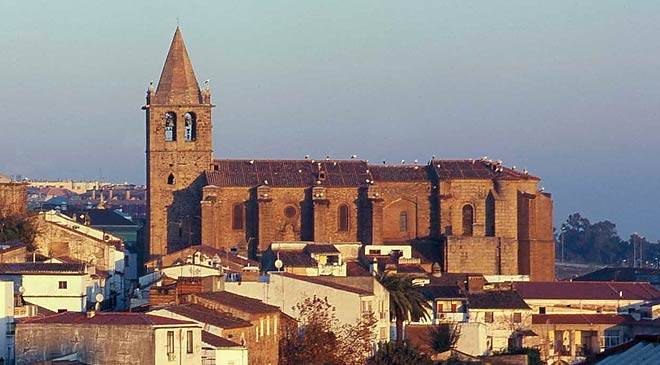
[{"x": 179, "y": 150}]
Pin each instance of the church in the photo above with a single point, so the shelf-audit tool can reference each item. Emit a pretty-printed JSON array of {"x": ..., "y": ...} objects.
[{"x": 481, "y": 216}]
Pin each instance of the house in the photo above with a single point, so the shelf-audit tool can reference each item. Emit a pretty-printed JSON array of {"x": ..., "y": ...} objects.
[
  {"x": 62, "y": 238},
  {"x": 351, "y": 296},
  {"x": 305, "y": 258},
  {"x": 55, "y": 286},
  {"x": 268, "y": 322},
  {"x": 7, "y": 324},
  {"x": 504, "y": 315},
  {"x": 225, "y": 338},
  {"x": 571, "y": 337},
  {"x": 236, "y": 267},
  {"x": 12, "y": 252},
  {"x": 111, "y": 338},
  {"x": 585, "y": 296}
]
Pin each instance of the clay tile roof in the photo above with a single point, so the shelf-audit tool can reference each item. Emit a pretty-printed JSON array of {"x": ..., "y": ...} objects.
[
  {"x": 42, "y": 268},
  {"x": 622, "y": 274},
  {"x": 108, "y": 318},
  {"x": 442, "y": 292},
  {"x": 287, "y": 173},
  {"x": 209, "y": 316},
  {"x": 217, "y": 341},
  {"x": 402, "y": 173},
  {"x": 476, "y": 169},
  {"x": 296, "y": 259},
  {"x": 579, "y": 318},
  {"x": 178, "y": 84},
  {"x": 354, "y": 268},
  {"x": 496, "y": 300},
  {"x": 321, "y": 248},
  {"x": 318, "y": 281},
  {"x": 249, "y": 305},
  {"x": 587, "y": 290}
]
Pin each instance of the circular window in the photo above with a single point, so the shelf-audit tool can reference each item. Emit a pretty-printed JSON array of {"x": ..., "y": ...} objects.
[{"x": 290, "y": 211}]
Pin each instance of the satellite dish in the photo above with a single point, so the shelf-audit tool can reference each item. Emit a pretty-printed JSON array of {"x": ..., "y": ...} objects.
[
  {"x": 99, "y": 297},
  {"x": 278, "y": 264}
]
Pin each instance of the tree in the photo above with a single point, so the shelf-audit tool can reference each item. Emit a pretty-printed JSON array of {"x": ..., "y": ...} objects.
[
  {"x": 320, "y": 340},
  {"x": 18, "y": 229},
  {"x": 406, "y": 300},
  {"x": 443, "y": 337},
  {"x": 398, "y": 353}
]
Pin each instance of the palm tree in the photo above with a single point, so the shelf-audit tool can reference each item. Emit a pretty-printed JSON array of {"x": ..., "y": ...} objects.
[{"x": 406, "y": 300}]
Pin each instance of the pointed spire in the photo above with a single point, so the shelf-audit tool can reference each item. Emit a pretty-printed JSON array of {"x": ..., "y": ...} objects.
[{"x": 178, "y": 84}]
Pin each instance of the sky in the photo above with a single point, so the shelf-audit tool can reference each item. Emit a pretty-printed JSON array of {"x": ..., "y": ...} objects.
[{"x": 569, "y": 90}]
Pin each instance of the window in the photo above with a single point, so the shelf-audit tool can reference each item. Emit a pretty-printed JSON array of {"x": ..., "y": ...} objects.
[
  {"x": 439, "y": 307},
  {"x": 468, "y": 219},
  {"x": 612, "y": 338},
  {"x": 238, "y": 217},
  {"x": 453, "y": 307},
  {"x": 171, "y": 180},
  {"x": 489, "y": 317},
  {"x": 170, "y": 342},
  {"x": 541, "y": 310},
  {"x": 366, "y": 307},
  {"x": 490, "y": 215},
  {"x": 403, "y": 221},
  {"x": 189, "y": 342},
  {"x": 170, "y": 126},
  {"x": 62, "y": 285},
  {"x": 517, "y": 318},
  {"x": 343, "y": 218},
  {"x": 190, "y": 126},
  {"x": 290, "y": 211},
  {"x": 61, "y": 310}
]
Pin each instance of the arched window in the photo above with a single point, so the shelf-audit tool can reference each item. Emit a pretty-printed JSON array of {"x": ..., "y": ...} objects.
[
  {"x": 171, "y": 180},
  {"x": 343, "y": 218},
  {"x": 490, "y": 215},
  {"x": 403, "y": 221},
  {"x": 238, "y": 216},
  {"x": 190, "y": 124},
  {"x": 468, "y": 219},
  {"x": 170, "y": 126}
]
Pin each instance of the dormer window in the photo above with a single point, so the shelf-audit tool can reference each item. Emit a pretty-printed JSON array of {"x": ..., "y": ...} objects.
[{"x": 170, "y": 127}]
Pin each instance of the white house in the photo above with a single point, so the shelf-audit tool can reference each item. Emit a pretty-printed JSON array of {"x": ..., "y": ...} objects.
[
  {"x": 7, "y": 324},
  {"x": 55, "y": 286},
  {"x": 351, "y": 296}
]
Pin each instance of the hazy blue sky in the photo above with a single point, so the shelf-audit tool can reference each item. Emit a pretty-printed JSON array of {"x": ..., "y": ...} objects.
[{"x": 568, "y": 89}]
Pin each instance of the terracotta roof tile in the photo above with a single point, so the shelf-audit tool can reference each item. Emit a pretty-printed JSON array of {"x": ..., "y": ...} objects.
[
  {"x": 319, "y": 281},
  {"x": 217, "y": 341},
  {"x": 581, "y": 318},
  {"x": 476, "y": 169},
  {"x": 496, "y": 300},
  {"x": 202, "y": 314},
  {"x": 401, "y": 173},
  {"x": 586, "y": 290},
  {"x": 287, "y": 173},
  {"x": 320, "y": 248},
  {"x": 178, "y": 84},
  {"x": 239, "y": 302},
  {"x": 108, "y": 318},
  {"x": 42, "y": 268}
]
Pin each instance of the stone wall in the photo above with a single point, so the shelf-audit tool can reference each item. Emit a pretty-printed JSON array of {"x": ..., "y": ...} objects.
[
  {"x": 486, "y": 255},
  {"x": 173, "y": 204},
  {"x": 263, "y": 339},
  {"x": 13, "y": 199},
  {"x": 56, "y": 241},
  {"x": 108, "y": 344}
]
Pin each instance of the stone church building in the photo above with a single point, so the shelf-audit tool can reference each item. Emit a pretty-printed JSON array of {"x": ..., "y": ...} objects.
[{"x": 484, "y": 217}]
